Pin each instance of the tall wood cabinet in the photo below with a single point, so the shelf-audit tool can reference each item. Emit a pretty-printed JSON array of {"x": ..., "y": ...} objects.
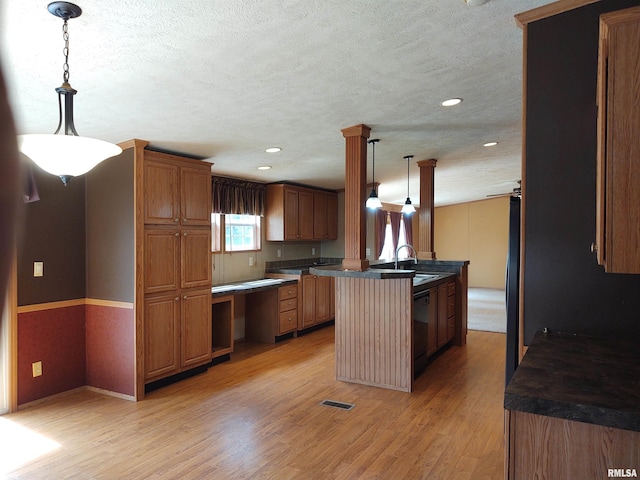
[
  {"x": 296, "y": 213},
  {"x": 618, "y": 166},
  {"x": 176, "y": 201}
]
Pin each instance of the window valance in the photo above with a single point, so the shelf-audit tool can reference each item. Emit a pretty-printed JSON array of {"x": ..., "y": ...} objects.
[{"x": 237, "y": 196}]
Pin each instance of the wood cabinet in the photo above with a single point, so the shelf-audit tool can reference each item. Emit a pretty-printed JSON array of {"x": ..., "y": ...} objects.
[
  {"x": 177, "y": 264},
  {"x": 162, "y": 335},
  {"x": 271, "y": 313},
  {"x": 317, "y": 295},
  {"x": 618, "y": 163},
  {"x": 295, "y": 213},
  {"x": 442, "y": 316},
  {"x": 325, "y": 212}
]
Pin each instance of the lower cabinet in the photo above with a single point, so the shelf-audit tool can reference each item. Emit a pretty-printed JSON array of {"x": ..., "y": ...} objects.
[
  {"x": 318, "y": 302},
  {"x": 177, "y": 332},
  {"x": 442, "y": 318},
  {"x": 271, "y": 313}
]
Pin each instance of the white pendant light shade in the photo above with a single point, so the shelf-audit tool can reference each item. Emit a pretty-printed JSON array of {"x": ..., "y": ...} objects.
[
  {"x": 66, "y": 155},
  {"x": 408, "y": 208},
  {"x": 373, "y": 202}
]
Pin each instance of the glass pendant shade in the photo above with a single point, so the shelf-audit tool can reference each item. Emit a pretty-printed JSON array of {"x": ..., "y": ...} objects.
[
  {"x": 373, "y": 202},
  {"x": 408, "y": 208},
  {"x": 66, "y": 156}
]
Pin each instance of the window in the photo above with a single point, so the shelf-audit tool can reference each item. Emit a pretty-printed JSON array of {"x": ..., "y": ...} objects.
[
  {"x": 241, "y": 232},
  {"x": 388, "y": 251}
]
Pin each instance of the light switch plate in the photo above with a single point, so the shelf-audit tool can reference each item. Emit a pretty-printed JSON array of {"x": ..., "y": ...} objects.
[{"x": 38, "y": 269}]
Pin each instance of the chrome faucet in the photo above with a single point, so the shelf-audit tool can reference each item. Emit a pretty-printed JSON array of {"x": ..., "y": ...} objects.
[{"x": 415, "y": 254}]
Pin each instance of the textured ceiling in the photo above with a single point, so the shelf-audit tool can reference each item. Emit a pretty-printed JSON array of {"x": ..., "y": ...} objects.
[{"x": 225, "y": 79}]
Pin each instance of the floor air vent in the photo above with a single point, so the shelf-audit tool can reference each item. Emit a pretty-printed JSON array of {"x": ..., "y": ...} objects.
[{"x": 333, "y": 403}]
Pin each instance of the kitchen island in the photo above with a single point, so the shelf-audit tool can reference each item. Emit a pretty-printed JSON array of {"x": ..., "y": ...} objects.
[{"x": 374, "y": 320}]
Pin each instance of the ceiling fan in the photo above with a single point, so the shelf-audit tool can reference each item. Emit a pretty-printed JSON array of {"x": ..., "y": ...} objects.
[{"x": 516, "y": 192}]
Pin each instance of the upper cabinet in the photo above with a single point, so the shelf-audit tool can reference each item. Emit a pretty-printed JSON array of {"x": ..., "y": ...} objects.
[
  {"x": 296, "y": 213},
  {"x": 618, "y": 163},
  {"x": 175, "y": 194}
]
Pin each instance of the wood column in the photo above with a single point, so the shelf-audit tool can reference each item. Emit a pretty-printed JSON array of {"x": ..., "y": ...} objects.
[
  {"x": 355, "y": 196},
  {"x": 426, "y": 211}
]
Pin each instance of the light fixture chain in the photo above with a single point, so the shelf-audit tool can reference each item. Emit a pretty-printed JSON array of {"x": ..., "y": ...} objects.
[{"x": 65, "y": 51}]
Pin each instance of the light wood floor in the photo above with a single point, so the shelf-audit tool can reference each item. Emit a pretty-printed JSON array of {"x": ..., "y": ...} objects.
[{"x": 258, "y": 416}]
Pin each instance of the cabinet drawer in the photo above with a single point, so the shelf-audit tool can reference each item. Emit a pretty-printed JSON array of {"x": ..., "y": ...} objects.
[
  {"x": 288, "y": 304},
  {"x": 451, "y": 289},
  {"x": 288, "y": 291},
  {"x": 451, "y": 306},
  {"x": 288, "y": 321}
]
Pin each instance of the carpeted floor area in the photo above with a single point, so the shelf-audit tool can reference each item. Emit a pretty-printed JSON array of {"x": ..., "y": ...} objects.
[{"x": 487, "y": 310}]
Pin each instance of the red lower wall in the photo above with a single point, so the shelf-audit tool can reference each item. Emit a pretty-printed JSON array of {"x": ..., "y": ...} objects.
[
  {"x": 110, "y": 348},
  {"x": 56, "y": 337}
]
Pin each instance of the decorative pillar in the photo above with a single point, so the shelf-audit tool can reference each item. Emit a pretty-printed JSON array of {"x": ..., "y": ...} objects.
[
  {"x": 425, "y": 232},
  {"x": 355, "y": 196}
]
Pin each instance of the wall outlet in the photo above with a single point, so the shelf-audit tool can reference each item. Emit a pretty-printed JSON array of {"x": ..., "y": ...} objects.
[
  {"x": 36, "y": 368},
  {"x": 368, "y": 251},
  {"x": 38, "y": 269},
  {"x": 251, "y": 261},
  {"x": 313, "y": 251},
  {"x": 279, "y": 253}
]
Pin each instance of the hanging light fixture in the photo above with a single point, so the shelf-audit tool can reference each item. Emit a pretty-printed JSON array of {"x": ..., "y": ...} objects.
[
  {"x": 407, "y": 208},
  {"x": 373, "y": 202},
  {"x": 66, "y": 154}
]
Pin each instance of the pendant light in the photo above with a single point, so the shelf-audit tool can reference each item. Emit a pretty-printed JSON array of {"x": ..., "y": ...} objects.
[
  {"x": 407, "y": 208},
  {"x": 66, "y": 154},
  {"x": 373, "y": 202}
]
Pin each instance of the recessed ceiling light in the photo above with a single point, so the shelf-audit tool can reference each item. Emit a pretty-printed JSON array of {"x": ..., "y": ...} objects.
[
  {"x": 490, "y": 144},
  {"x": 273, "y": 150},
  {"x": 264, "y": 167},
  {"x": 451, "y": 102}
]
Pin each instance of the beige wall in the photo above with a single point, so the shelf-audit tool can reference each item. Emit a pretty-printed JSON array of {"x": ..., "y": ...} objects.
[{"x": 478, "y": 232}]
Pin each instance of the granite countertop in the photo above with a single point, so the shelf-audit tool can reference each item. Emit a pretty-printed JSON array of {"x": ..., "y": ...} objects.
[
  {"x": 581, "y": 378},
  {"x": 250, "y": 286}
]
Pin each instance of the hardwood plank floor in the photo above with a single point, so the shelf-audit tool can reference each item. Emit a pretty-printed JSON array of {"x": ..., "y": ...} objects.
[{"x": 258, "y": 416}]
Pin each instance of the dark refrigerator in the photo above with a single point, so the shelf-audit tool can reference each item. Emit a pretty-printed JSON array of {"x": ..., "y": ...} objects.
[{"x": 512, "y": 285}]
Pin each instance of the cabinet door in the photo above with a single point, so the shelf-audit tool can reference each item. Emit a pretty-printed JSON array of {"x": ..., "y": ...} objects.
[
  {"x": 443, "y": 318},
  {"x": 309, "y": 300},
  {"x": 161, "y": 336},
  {"x": 161, "y": 193},
  {"x": 618, "y": 171},
  {"x": 432, "y": 326},
  {"x": 291, "y": 228},
  {"x": 305, "y": 215},
  {"x": 161, "y": 253},
  {"x": 323, "y": 299},
  {"x": 333, "y": 297},
  {"x": 195, "y": 194},
  {"x": 195, "y": 253},
  {"x": 332, "y": 216},
  {"x": 196, "y": 328},
  {"x": 320, "y": 216}
]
